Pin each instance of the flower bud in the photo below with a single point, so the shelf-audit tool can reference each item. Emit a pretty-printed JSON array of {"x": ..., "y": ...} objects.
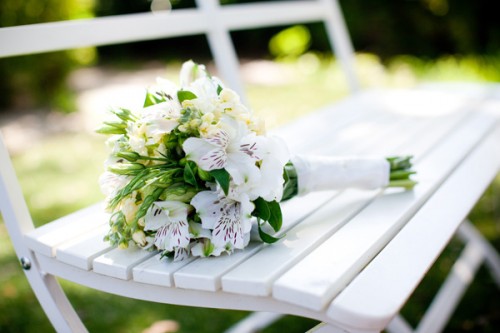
[
  {"x": 123, "y": 244},
  {"x": 139, "y": 237},
  {"x": 204, "y": 175},
  {"x": 126, "y": 168},
  {"x": 179, "y": 193},
  {"x": 129, "y": 155}
]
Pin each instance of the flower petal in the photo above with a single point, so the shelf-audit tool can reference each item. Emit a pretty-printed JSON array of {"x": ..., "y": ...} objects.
[
  {"x": 228, "y": 230},
  {"x": 242, "y": 168},
  {"x": 163, "y": 212},
  {"x": 172, "y": 235},
  {"x": 208, "y": 206}
]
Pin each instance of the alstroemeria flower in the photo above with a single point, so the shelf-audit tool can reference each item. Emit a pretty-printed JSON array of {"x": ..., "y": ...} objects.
[
  {"x": 111, "y": 183},
  {"x": 169, "y": 220},
  {"x": 229, "y": 149},
  {"x": 228, "y": 219}
]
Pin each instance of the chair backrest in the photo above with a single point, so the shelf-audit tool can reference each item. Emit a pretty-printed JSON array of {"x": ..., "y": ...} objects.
[{"x": 209, "y": 17}]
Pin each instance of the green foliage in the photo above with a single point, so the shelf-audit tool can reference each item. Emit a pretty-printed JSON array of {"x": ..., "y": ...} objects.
[
  {"x": 29, "y": 81},
  {"x": 222, "y": 177},
  {"x": 291, "y": 42}
]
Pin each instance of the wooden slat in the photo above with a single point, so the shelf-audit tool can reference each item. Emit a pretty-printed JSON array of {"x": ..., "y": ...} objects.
[
  {"x": 380, "y": 290},
  {"x": 209, "y": 279},
  {"x": 82, "y": 251},
  {"x": 256, "y": 274},
  {"x": 157, "y": 271},
  {"x": 46, "y": 238},
  {"x": 65, "y": 35},
  {"x": 119, "y": 263},
  {"x": 315, "y": 280},
  {"x": 205, "y": 273},
  {"x": 192, "y": 276},
  {"x": 54, "y": 36}
]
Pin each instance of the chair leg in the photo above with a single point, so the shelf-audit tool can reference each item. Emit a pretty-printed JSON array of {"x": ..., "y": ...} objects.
[
  {"x": 54, "y": 302},
  {"x": 254, "y": 322},
  {"x": 399, "y": 325},
  {"x": 467, "y": 232},
  {"x": 328, "y": 328}
]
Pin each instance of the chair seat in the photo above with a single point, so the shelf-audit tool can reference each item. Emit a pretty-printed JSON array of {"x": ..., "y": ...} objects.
[{"x": 332, "y": 238}]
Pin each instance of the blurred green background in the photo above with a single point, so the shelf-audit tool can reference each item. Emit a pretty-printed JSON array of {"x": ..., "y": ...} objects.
[{"x": 399, "y": 44}]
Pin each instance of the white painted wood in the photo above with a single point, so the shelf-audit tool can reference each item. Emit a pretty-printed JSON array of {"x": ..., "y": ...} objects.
[
  {"x": 46, "y": 238},
  {"x": 445, "y": 302},
  {"x": 119, "y": 263},
  {"x": 12, "y": 204},
  {"x": 64, "y": 35},
  {"x": 222, "y": 46},
  {"x": 315, "y": 280},
  {"x": 154, "y": 293},
  {"x": 256, "y": 275},
  {"x": 205, "y": 273},
  {"x": 381, "y": 289},
  {"x": 399, "y": 325},
  {"x": 308, "y": 267},
  {"x": 18, "y": 221},
  {"x": 328, "y": 328},
  {"x": 255, "y": 322},
  {"x": 82, "y": 251},
  {"x": 467, "y": 232},
  {"x": 158, "y": 271},
  {"x": 341, "y": 42}
]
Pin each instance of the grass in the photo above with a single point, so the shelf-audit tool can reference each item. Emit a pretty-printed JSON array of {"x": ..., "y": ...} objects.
[{"x": 47, "y": 174}]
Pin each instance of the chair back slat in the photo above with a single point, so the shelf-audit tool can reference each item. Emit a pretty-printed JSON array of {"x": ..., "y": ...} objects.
[{"x": 208, "y": 18}]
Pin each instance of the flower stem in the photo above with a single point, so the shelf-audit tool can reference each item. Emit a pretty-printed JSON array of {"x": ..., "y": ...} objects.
[{"x": 400, "y": 172}]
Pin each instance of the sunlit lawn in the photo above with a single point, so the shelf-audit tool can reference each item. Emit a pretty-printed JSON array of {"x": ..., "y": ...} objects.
[{"x": 60, "y": 174}]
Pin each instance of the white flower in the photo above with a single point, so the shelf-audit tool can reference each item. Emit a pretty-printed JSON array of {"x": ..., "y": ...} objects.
[
  {"x": 205, "y": 248},
  {"x": 111, "y": 183},
  {"x": 273, "y": 154},
  {"x": 224, "y": 150},
  {"x": 190, "y": 72},
  {"x": 169, "y": 220},
  {"x": 129, "y": 207},
  {"x": 228, "y": 219},
  {"x": 155, "y": 121},
  {"x": 205, "y": 90},
  {"x": 229, "y": 103},
  {"x": 166, "y": 88}
]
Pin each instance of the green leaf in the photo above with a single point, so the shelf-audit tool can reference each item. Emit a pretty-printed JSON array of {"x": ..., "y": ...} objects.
[
  {"x": 266, "y": 238},
  {"x": 290, "y": 187},
  {"x": 219, "y": 89},
  {"x": 190, "y": 173},
  {"x": 146, "y": 204},
  {"x": 261, "y": 210},
  {"x": 111, "y": 130},
  {"x": 276, "y": 220},
  {"x": 151, "y": 99},
  {"x": 269, "y": 211},
  {"x": 222, "y": 177},
  {"x": 183, "y": 95},
  {"x": 123, "y": 114}
]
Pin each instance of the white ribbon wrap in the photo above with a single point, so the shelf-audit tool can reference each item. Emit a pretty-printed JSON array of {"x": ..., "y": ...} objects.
[{"x": 322, "y": 173}]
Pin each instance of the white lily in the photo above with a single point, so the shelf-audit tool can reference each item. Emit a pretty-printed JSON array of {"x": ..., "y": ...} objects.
[{"x": 169, "y": 220}]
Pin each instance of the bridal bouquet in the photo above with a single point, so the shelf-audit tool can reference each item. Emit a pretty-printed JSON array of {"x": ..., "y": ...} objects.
[{"x": 193, "y": 170}]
